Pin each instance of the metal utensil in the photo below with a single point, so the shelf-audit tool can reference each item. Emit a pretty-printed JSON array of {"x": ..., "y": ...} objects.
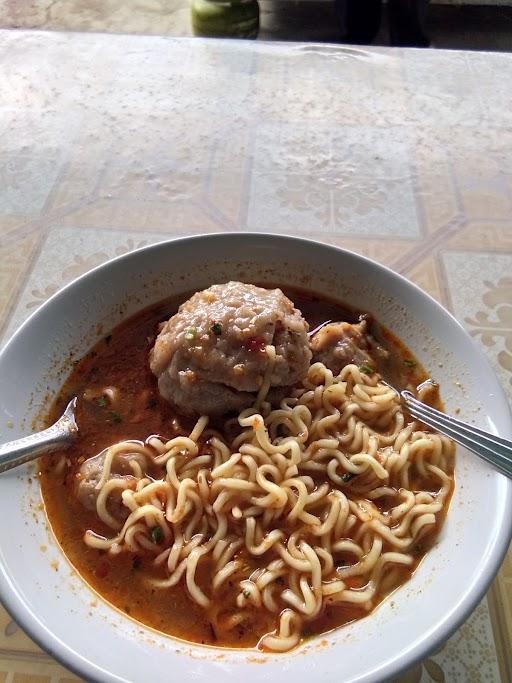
[
  {"x": 493, "y": 449},
  {"x": 59, "y": 435}
]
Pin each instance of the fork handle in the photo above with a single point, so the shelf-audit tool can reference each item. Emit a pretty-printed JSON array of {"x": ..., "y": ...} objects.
[{"x": 495, "y": 450}]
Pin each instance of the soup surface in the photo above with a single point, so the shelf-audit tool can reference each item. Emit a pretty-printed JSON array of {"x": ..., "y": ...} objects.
[{"x": 118, "y": 400}]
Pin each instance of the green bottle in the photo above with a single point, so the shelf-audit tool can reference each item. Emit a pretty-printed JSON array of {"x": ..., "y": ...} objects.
[{"x": 226, "y": 18}]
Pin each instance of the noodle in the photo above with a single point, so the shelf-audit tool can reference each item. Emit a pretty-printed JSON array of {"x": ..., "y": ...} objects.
[{"x": 286, "y": 508}]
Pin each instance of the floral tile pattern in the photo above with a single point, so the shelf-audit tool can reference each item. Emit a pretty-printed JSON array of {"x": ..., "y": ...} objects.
[
  {"x": 113, "y": 142},
  {"x": 466, "y": 656},
  {"x": 481, "y": 293},
  {"x": 348, "y": 180},
  {"x": 15, "y": 255},
  {"x": 26, "y": 182},
  {"x": 66, "y": 254},
  {"x": 444, "y": 94},
  {"x": 489, "y": 327}
]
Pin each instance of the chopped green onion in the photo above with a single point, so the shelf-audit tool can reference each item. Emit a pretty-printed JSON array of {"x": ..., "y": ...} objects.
[
  {"x": 216, "y": 328},
  {"x": 101, "y": 402},
  {"x": 191, "y": 334},
  {"x": 156, "y": 534},
  {"x": 366, "y": 369},
  {"x": 347, "y": 477},
  {"x": 246, "y": 594},
  {"x": 410, "y": 363},
  {"x": 115, "y": 417}
]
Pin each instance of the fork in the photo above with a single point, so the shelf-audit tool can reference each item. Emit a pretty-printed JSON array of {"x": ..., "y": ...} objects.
[{"x": 493, "y": 449}]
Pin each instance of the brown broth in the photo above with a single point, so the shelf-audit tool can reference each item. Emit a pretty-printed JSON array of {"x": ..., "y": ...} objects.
[{"x": 121, "y": 360}]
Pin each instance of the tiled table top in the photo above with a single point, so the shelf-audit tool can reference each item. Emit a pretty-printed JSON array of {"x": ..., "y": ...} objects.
[{"x": 112, "y": 142}]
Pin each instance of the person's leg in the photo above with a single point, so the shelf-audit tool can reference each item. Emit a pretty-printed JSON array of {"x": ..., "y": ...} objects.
[
  {"x": 407, "y": 20},
  {"x": 360, "y": 20}
]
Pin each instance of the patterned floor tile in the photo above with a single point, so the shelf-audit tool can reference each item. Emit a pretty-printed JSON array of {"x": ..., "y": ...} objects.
[
  {"x": 66, "y": 254},
  {"x": 333, "y": 188},
  {"x": 342, "y": 205},
  {"x": 33, "y": 671},
  {"x": 467, "y": 657},
  {"x": 439, "y": 94},
  {"x": 175, "y": 77},
  {"x": 132, "y": 216},
  {"x": 15, "y": 257},
  {"x": 427, "y": 276},
  {"x": 13, "y": 638},
  {"x": 481, "y": 293},
  {"x": 486, "y": 235},
  {"x": 385, "y": 251},
  {"x": 26, "y": 182},
  {"x": 500, "y": 606},
  {"x": 36, "y": 89},
  {"x": 494, "y": 93},
  {"x": 484, "y": 187},
  {"x": 434, "y": 184},
  {"x": 32, "y": 161},
  {"x": 303, "y": 83}
]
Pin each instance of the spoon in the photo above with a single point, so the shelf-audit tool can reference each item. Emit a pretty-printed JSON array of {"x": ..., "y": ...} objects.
[
  {"x": 493, "y": 449},
  {"x": 59, "y": 435}
]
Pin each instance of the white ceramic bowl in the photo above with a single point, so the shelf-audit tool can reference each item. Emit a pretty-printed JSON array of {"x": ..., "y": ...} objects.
[{"x": 66, "y": 618}]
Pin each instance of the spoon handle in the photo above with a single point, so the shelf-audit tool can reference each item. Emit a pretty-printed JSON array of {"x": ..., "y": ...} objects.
[{"x": 59, "y": 435}]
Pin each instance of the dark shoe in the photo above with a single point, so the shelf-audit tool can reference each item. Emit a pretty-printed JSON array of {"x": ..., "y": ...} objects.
[
  {"x": 407, "y": 20},
  {"x": 359, "y": 19}
]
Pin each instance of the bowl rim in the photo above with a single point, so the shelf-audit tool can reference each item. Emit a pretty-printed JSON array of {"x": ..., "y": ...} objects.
[{"x": 82, "y": 666}]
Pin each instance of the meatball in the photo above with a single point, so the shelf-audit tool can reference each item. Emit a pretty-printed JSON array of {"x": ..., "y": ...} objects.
[
  {"x": 91, "y": 470},
  {"x": 211, "y": 357},
  {"x": 339, "y": 344}
]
